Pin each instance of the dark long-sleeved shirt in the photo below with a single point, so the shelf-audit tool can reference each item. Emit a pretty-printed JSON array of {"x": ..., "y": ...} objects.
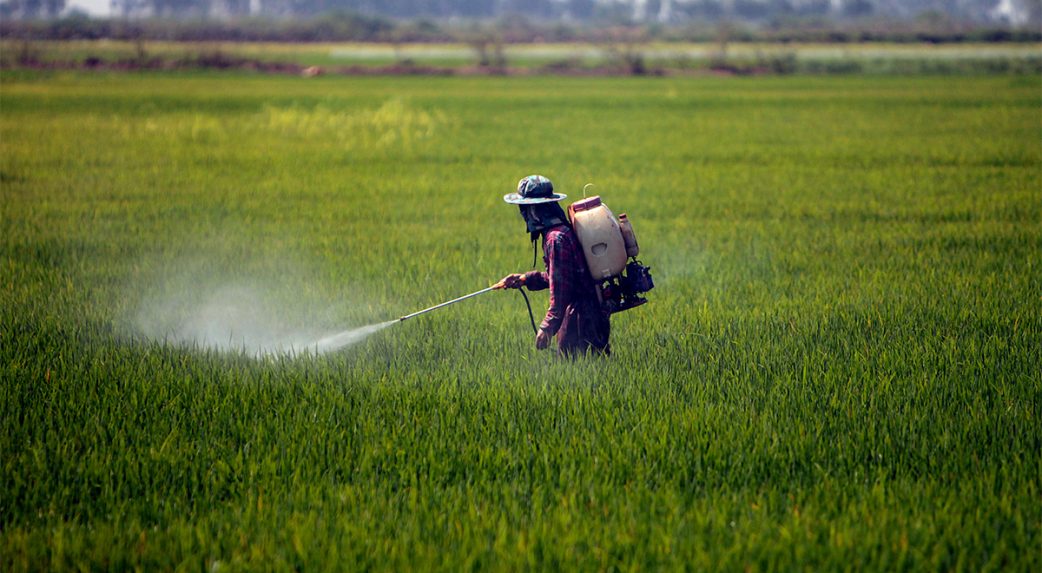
[{"x": 574, "y": 315}]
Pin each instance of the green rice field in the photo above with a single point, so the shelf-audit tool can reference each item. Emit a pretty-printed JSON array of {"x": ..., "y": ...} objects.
[{"x": 838, "y": 369}]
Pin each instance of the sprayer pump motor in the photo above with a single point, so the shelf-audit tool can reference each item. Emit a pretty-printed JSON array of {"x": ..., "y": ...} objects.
[{"x": 625, "y": 291}]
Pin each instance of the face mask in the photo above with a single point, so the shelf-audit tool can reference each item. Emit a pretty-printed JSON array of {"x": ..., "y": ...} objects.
[
  {"x": 531, "y": 219},
  {"x": 542, "y": 216}
]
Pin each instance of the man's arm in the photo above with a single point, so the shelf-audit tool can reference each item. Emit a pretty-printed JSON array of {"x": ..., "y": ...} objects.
[{"x": 536, "y": 280}]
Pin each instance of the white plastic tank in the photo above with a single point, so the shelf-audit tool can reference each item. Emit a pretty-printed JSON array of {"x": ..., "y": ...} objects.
[{"x": 601, "y": 239}]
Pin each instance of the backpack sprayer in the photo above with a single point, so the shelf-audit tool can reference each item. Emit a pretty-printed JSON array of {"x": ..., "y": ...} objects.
[{"x": 607, "y": 242}]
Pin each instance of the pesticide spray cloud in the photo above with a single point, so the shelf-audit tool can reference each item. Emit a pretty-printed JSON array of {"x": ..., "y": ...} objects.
[
  {"x": 240, "y": 318},
  {"x": 347, "y": 337}
]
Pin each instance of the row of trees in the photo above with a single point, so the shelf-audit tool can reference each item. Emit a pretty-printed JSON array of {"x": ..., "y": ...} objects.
[
  {"x": 1006, "y": 12},
  {"x": 32, "y": 9}
]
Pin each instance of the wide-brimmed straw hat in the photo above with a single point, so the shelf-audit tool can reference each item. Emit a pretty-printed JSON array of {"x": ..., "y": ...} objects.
[{"x": 533, "y": 190}]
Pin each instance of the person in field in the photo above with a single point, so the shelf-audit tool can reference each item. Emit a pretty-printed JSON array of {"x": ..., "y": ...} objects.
[{"x": 575, "y": 316}]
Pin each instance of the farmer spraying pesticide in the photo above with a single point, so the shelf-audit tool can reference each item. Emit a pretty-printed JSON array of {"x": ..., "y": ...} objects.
[
  {"x": 575, "y": 315},
  {"x": 585, "y": 254}
]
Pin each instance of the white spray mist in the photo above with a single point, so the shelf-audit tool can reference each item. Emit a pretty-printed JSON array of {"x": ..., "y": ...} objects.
[
  {"x": 347, "y": 337},
  {"x": 241, "y": 319}
]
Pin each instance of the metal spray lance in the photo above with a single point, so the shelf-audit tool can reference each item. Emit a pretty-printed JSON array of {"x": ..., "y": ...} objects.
[{"x": 496, "y": 286}]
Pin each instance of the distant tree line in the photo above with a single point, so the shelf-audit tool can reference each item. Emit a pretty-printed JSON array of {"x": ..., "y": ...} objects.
[
  {"x": 533, "y": 20},
  {"x": 31, "y": 9},
  {"x": 1011, "y": 12}
]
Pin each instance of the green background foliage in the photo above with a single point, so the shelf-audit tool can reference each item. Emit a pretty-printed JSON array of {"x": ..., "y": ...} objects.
[{"x": 838, "y": 369}]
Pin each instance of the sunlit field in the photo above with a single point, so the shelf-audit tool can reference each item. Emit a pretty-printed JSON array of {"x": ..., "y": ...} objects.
[{"x": 838, "y": 368}]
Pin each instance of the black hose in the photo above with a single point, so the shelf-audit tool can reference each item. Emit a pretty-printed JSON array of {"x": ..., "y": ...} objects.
[
  {"x": 521, "y": 289},
  {"x": 531, "y": 317}
]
